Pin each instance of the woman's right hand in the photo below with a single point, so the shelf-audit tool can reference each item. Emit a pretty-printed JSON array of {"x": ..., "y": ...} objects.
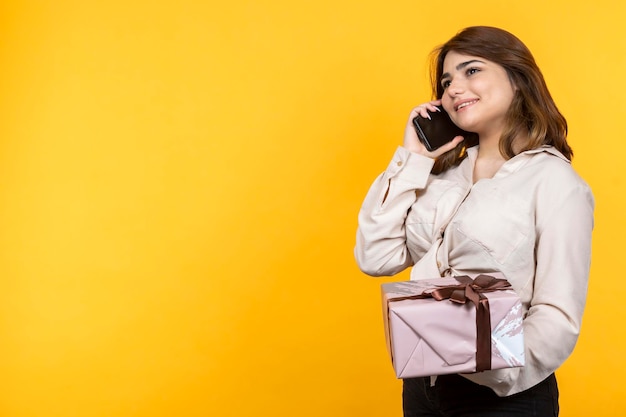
[{"x": 412, "y": 142}]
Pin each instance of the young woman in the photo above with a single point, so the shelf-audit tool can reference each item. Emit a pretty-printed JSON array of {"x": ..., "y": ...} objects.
[{"x": 505, "y": 199}]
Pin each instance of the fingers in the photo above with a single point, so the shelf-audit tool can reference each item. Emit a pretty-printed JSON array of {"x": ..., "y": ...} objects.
[
  {"x": 423, "y": 109},
  {"x": 412, "y": 142},
  {"x": 448, "y": 146}
]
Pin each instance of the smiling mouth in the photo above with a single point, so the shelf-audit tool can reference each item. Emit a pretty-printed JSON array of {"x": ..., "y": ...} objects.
[{"x": 465, "y": 104}]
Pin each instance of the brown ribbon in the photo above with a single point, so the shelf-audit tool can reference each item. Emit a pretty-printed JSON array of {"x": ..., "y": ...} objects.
[{"x": 472, "y": 290}]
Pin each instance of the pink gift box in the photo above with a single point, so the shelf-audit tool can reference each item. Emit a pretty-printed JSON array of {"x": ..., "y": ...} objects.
[{"x": 426, "y": 337}]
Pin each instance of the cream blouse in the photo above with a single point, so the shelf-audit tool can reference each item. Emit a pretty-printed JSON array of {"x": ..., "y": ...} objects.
[{"x": 532, "y": 222}]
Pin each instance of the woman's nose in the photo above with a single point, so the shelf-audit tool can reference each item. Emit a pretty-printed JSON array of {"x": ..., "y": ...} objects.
[{"x": 455, "y": 87}]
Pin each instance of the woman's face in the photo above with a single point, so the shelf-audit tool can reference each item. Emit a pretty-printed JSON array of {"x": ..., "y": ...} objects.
[{"x": 477, "y": 93}]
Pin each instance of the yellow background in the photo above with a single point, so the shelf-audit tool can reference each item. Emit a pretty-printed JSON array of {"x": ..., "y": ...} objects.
[{"x": 179, "y": 186}]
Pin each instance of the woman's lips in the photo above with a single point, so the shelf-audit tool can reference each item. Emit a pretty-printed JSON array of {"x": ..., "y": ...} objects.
[{"x": 462, "y": 104}]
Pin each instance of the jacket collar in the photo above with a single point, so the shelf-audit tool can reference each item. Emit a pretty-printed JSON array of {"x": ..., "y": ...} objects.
[
  {"x": 549, "y": 149},
  {"x": 513, "y": 164},
  {"x": 545, "y": 148}
]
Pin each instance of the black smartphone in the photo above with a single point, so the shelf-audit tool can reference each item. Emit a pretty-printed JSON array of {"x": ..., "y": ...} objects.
[{"x": 438, "y": 130}]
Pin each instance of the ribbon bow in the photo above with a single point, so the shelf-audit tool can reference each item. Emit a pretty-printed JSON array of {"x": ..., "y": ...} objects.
[{"x": 472, "y": 290}]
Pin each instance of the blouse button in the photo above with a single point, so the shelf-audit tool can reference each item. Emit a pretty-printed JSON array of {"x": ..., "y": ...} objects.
[{"x": 399, "y": 163}]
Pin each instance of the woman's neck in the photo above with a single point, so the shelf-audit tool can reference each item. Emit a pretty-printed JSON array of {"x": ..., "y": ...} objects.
[
  {"x": 489, "y": 148},
  {"x": 488, "y": 159}
]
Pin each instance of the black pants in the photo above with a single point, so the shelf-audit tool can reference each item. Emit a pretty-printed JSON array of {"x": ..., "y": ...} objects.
[{"x": 455, "y": 396}]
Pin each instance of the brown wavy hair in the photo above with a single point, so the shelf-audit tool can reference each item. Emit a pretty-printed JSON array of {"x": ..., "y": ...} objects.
[{"x": 532, "y": 114}]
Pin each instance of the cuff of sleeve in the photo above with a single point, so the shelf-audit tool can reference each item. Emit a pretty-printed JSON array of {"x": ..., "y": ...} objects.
[
  {"x": 501, "y": 381},
  {"x": 410, "y": 167}
]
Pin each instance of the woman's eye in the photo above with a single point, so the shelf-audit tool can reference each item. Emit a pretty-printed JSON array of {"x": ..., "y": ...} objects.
[
  {"x": 445, "y": 84},
  {"x": 471, "y": 71}
]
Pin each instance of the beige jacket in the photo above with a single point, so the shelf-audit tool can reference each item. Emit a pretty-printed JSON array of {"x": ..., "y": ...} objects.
[{"x": 532, "y": 221}]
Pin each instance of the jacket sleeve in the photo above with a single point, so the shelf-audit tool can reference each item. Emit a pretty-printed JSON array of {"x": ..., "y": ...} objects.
[
  {"x": 553, "y": 321},
  {"x": 381, "y": 237}
]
